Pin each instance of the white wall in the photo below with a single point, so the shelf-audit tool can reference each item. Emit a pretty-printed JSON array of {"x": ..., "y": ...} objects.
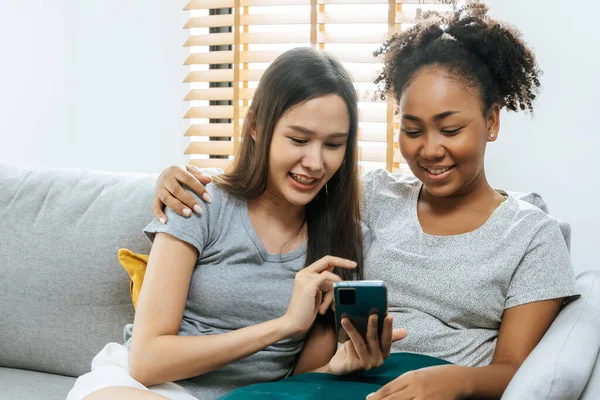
[
  {"x": 92, "y": 84},
  {"x": 32, "y": 79},
  {"x": 555, "y": 152}
]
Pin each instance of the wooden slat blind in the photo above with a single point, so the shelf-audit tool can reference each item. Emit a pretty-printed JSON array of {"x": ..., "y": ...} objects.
[{"x": 232, "y": 42}]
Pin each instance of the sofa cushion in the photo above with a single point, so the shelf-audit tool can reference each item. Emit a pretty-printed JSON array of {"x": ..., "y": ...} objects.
[
  {"x": 63, "y": 294},
  {"x": 19, "y": 384},
  {"x": 135, "y": 265},
  {"x": 561, "y": 364},
  {"x": 592, "y": 389}
]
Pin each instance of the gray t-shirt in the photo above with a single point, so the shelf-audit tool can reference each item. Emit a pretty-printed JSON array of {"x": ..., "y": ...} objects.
[
  {"x": 450, "y": 292},
  {"x": 235, "y": 284}
]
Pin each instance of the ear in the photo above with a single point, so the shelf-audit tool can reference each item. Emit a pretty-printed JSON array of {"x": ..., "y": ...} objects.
[
  {"x": 251, "y": 121},
  {"x": 493, "y": 123}
]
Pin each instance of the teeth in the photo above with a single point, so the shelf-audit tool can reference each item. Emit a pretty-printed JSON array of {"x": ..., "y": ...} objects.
[
  {"x": 303, "y": 180},
  {"x": 438, "y": 171}
]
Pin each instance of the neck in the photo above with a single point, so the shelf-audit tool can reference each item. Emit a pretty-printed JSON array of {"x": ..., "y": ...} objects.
[
  {"x": 476, "y": 192},
  {"x": 273, "y": 207}
]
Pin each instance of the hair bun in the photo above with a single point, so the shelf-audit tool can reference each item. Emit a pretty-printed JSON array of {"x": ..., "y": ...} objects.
[{"x": 489, "y": 55}]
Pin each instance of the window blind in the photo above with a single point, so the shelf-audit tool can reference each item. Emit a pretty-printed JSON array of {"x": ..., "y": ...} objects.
[{"x": 232, "y": 42}]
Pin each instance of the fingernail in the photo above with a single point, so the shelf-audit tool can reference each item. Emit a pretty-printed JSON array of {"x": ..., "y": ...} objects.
[
  {"x": 206, "y": 197},
  {"x": 162, "y": 220},
  {"x": 187, "y": 212},
  {"x": 197, "y": 209},
  {"x": 369, "y": 395}
]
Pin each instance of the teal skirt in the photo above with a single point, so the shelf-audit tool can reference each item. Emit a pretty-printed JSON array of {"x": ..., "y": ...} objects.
[{"x": 321, "y": 386}]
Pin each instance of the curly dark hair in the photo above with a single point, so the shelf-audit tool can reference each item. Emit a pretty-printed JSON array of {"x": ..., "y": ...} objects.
[{"x": 488, "y": 55}]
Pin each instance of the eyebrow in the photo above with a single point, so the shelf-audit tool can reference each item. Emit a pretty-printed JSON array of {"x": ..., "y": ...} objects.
[
  {"x": 306, "y": 131},
  {"x": 436, "y": 117}
]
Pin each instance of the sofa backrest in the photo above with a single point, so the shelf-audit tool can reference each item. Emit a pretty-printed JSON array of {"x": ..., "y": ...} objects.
[{"x": 63, "y": 294}]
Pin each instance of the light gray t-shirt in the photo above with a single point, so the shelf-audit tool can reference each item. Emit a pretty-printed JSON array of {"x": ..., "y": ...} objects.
[
  {"x": 450, "y": 292},
  {"x": 235, "y": 284}
]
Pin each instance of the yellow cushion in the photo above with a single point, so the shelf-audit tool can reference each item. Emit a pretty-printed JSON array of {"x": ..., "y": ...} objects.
[{"x": 135, "y": 265}]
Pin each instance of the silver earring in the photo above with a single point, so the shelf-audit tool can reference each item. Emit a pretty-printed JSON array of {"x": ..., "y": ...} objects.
[{"x": 492, "y": 135}]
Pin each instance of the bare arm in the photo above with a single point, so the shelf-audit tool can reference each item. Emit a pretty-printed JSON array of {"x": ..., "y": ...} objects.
[
  {"x": 157, "y": 354},
  {"x": 521, "y": 330},
  {"x": 319, "y": 347}
]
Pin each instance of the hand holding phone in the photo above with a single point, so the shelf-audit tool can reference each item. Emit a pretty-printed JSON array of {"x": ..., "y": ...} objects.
[{"x": 363, "y": 328}]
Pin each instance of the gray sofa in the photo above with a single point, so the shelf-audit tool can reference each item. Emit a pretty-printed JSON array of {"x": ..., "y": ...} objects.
[{"x": 63, "y": 294}]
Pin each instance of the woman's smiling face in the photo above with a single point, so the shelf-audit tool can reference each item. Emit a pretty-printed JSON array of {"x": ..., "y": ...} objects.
[
  {"x": 443, "y": 132},
  {"x": 308, "y": 147}
]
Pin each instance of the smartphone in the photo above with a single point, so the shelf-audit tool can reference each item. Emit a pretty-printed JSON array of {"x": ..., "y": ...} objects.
[{"x": 357, "y": 300}]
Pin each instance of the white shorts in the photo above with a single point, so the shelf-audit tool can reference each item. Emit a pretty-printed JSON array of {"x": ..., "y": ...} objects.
[{"x": 110, "y": 368}]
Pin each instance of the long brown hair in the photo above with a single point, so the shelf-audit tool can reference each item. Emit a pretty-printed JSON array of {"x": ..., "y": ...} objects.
[{"x": 333, "y": 216}]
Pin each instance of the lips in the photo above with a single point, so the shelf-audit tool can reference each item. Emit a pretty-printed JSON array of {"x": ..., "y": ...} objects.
[
  {"x": 437, "y": 170},
  {"x": 305, "y": 180},
  {"x": 438, "y": 173}
]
